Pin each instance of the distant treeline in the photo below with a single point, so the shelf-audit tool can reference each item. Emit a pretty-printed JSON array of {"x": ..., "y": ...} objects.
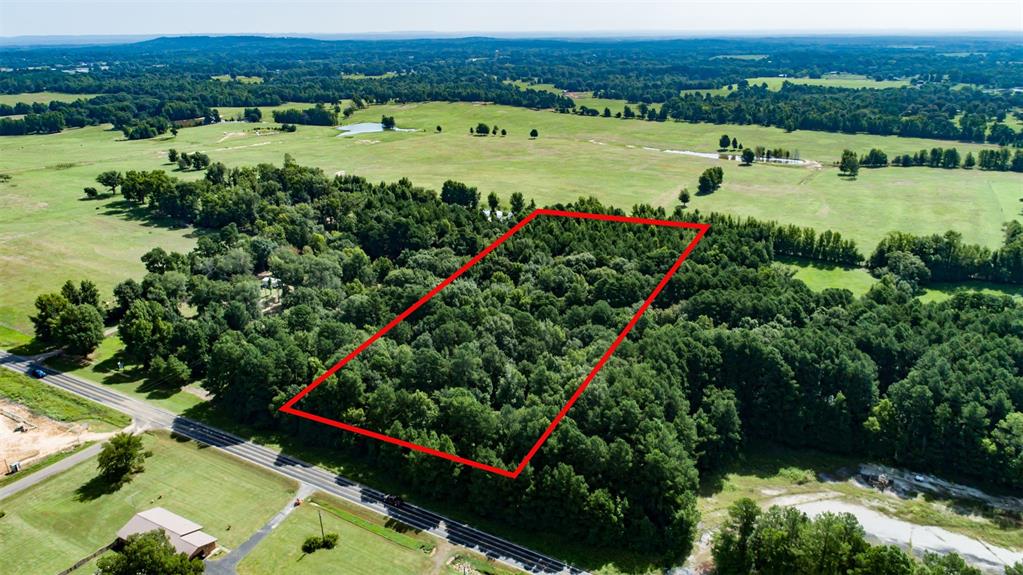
[
  {"x": 147, "y": 96},
  {"x": 319, "y": 115},
  {"x": 923, "y": 112}
]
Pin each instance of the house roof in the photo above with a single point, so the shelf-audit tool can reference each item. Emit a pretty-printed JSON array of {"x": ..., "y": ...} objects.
[{"x": 184, "y": 535}]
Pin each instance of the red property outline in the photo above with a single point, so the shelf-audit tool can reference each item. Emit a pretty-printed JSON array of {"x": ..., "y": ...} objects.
[{"x": 289, "y": 406}]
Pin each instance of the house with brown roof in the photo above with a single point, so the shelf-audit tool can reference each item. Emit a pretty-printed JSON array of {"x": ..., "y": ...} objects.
[{"x": 185, "y": 536}]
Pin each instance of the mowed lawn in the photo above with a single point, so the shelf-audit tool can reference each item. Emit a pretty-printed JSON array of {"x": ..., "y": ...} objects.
[
  {"x": 49, "y": 233},
  {"x": 359, "y": 551},
  {"x": 68, "y": 516}
]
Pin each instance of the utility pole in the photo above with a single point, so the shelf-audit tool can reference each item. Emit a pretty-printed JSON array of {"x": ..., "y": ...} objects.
[{"x": 322, "y": 534}]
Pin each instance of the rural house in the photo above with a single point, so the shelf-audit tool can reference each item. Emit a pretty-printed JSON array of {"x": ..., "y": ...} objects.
[{"x": 186, "y": 536}]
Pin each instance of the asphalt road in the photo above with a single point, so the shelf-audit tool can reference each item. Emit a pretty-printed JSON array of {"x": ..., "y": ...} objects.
[{"x": 148, "y": 416}]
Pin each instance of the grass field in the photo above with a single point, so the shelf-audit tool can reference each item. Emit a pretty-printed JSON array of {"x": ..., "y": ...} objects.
[
  {"x": 42, "y": 97},
  {"x": 70, "y": 515},
  {"x": 48, "y": 233},
  {"x": 363, "y": 548},
  {"x": 859, "y": 281},
  {"x": 829, "y": 80},
  {"x": 57, "y": 404}
]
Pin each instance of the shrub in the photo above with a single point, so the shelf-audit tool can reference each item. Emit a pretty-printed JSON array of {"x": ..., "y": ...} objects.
[{"x": 314, "y": 543}]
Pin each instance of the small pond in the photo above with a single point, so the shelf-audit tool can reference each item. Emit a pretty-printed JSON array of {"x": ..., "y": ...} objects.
[{"x": 367, "y": 128}]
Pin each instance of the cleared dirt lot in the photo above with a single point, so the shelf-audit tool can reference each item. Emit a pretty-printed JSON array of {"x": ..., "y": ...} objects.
[{"x": 26, "y": 437}]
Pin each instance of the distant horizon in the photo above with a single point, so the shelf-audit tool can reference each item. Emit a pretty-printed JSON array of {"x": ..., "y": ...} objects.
[
  {"x": 503, "y": 18},
  {"x": 99, "y": 39}
]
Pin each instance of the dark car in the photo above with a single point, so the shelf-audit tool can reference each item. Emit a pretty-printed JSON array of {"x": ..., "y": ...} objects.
[
  {"x": 394, "y": 501},
  {"x": 37, "y": 373}
]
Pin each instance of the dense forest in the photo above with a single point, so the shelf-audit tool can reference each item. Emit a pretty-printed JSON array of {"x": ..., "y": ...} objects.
[
  {"x": 961, "y": 97},
  {"x": 734, "y": 351}
]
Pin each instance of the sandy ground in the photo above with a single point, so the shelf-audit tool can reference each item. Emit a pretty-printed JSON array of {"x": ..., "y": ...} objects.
[
  {"x": 43, "y": 436},
  {"x": 920, "y": 538}
]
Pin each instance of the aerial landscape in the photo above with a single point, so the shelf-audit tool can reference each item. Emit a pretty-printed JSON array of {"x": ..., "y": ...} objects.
[{"x": 460, "y": 288}]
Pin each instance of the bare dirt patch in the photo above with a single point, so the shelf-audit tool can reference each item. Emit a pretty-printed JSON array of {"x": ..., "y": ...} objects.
[{"x": 26, "y": 437}]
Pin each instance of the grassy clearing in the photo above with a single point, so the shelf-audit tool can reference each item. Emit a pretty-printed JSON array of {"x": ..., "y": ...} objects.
[
  {"x": 45, "y": 222},
  {"x": 943, "y": 291},
  {"x": 242, "y": 79},
  {"x": 42, "y": 97},
  {"x": 831, "y": 81},
  {"x": 740, "y": 57},
  {"x": 361, "y": 550},
  {"x": 101, "y": 367},
  {"x": 859, "y": 281},
  {"x": 57, "y": 404},
  {"x": 819, "y": 277},
  {"x": 72, "y": 514}
]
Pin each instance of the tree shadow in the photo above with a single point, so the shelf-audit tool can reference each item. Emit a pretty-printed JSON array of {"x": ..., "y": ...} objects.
[
  {"x": 97, "y": 487},
  {"x": 395, "y": 525},
  {"x": 141, "y": 214}
]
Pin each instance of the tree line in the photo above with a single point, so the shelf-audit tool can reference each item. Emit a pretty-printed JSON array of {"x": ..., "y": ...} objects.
[
  {"x": 946, "y": 258},
  {"x": 1001, "y": 159}
]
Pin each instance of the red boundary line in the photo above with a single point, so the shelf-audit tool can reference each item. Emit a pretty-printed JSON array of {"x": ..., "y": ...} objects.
[{"x": 288, "y": 407}]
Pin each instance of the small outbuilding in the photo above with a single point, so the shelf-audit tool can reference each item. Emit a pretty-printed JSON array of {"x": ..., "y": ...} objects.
[{"x": 185, "y": 536}]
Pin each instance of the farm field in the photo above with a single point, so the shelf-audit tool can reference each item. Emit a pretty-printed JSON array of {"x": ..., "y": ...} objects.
[
  {"x": 47, "y": 223},
  {"x": 831, "y": 81},
  {"x": 70, "y": 515},
  {"x": 42, "y": 97}
]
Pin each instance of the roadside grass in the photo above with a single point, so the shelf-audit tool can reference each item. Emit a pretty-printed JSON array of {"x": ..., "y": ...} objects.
[
  {"x": 72, "y": 514},
  {"x": 477, "y": 562},
  {"x": 48, "y": 223},
  {"x": 603, "y": 561},
  {"x": 58, "y": 404},
  {"x": 393, "y": 531},
  {"x": 765, "y": 472},
  {"x": 101, "y": 367},
  {"x": 359, "y": 551},
  {"x": 11, "y": 338},
  {"x": 42, "y": 97},
  {"x": 41, "y": 463}
]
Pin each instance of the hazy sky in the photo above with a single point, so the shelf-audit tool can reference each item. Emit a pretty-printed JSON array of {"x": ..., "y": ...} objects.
[{"x": 79, "y": 17}]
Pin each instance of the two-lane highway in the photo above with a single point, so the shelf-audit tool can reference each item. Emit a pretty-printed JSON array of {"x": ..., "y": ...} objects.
[{"x": 148, "y": 416}]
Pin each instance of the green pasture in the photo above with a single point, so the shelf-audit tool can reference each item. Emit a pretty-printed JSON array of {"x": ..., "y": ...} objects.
[
  {"x": 49, "y": 233},
  {"x": 68, "y": 516},
  {"x": 829, "y": 80},
  {"x": 42, "y": 97}
]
